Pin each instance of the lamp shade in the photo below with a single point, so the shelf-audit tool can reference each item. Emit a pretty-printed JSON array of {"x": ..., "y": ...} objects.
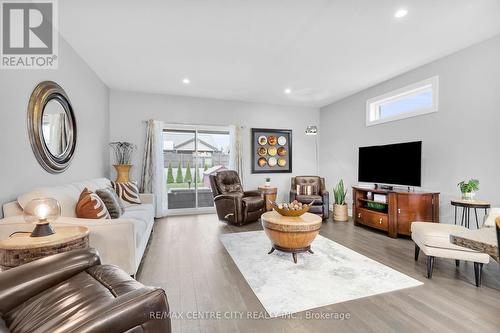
[{"x": 42, "y": 212}]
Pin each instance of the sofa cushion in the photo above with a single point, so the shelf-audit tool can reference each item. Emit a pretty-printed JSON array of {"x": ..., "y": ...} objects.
[
  {"x": 308, "y": 180},
  {"x": 492, "y": 215},
  {"x": 228, "y": 181},
  {"x": 67, "y": 195},
  {"x": 437, "y": 234},
  {"x": 78, "y": 294},
  {"x": 90, "y": 206},
  {"x": 316, "y": 210},
  {"x": 128, "y": 192},
  {"x": 253, "y": 203},
  {"x": 113, "y": 278},
  {"x": 307, "y": 199},
  {"x": 112, "y": 202},
  {"x": 143, "y": 212},
  {"x": 143, "y": 215}
]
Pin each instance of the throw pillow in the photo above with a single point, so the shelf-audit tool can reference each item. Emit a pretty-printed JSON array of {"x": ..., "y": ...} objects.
[
  {"x": 90, "y": 206},
  {"x": 307, "y": 190},
  {"x": 112, "y": 202},
  {"x": 128, "y": 192},
  {"x": 492, "y": 215}
]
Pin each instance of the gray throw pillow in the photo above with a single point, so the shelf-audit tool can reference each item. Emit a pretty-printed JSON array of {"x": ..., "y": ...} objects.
[{"x": 112, "y": 202}]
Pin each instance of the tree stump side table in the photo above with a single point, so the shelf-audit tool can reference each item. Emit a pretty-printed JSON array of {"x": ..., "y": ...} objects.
[
  {"x": 268, "y": 193},
  {"x": 20, "y": 248}
]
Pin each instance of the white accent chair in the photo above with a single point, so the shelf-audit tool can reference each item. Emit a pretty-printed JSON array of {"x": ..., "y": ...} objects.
[
  {"x": 120, "y": 242},
  {"x": 434, "y": 240}
]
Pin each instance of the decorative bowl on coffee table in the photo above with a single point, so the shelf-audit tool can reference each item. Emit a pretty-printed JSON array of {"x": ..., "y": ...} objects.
[{"x": 289, "y": 212}]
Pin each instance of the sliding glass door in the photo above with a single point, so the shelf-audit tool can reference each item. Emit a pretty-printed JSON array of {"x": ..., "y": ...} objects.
[{"x": 191, "y": 154}]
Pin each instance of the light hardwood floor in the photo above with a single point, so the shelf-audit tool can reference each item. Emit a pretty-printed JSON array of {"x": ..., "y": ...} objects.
[{"x": 186, "y": 258}]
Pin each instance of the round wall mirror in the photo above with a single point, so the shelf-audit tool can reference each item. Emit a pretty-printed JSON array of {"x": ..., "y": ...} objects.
[{"x": 51, "y": 127}]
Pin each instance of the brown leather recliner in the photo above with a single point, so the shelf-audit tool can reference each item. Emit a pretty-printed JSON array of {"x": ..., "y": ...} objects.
[
  {"x": 321, "y": 205},
  {"x": 232, "y": 203},
  {"x": 73, "y": 292}
]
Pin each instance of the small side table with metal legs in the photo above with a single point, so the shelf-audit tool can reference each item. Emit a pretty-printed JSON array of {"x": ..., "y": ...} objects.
[{"x": 466, "y": 206}]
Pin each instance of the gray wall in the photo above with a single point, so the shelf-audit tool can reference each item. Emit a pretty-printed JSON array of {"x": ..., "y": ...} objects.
[
  {"x": 129, "y": 110},
  {"x": 90, "y": 99},
  {"x": 460, "y": 141}
]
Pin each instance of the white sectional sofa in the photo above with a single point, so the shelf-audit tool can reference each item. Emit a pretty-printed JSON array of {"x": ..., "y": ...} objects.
[{"x": 120, "y": 242}]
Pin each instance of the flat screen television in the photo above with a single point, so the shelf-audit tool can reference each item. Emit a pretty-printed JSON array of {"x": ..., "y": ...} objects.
[{"x": 395, "y": 164}]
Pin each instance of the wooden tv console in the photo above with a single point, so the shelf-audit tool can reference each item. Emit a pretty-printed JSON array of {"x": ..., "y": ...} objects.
[{"x": 400, "y": 210}]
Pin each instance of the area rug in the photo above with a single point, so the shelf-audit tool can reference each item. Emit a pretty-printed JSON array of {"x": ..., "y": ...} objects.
[{"x": 333, "y": 274}]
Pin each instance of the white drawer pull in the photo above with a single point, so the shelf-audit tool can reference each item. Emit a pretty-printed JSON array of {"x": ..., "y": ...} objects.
[{"x": 380, "y": 221}]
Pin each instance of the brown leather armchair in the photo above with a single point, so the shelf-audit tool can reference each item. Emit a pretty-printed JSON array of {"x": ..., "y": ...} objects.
[
  {"x": 321, "y": 205},
  {"x": 73, "y": 292},
  {"x": 232, "y": 203}
]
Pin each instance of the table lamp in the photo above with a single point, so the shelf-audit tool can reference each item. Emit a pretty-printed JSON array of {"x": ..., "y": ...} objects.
[{"x": 42, "y": 212}]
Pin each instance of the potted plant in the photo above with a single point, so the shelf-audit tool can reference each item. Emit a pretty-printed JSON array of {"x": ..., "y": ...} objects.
[
  {"x": 469, "y": 188},
  {"x": 268, "y": 182},
  {"x": 123, "y": 156},
  {"x": 340, "y": 207}
]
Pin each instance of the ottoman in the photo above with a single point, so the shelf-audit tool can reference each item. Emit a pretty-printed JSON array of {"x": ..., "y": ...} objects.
[{"x": 434, "y": 240}]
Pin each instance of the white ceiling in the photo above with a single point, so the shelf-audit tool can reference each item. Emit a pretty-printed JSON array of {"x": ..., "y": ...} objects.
[{"x": 252, "y": 50}]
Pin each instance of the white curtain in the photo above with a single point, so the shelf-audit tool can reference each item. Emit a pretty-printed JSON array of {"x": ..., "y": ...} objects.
[
  {"x": 235, "y": 150},
  {"x": 58, "y": 132},
  {"x": 153, "y": 178}
]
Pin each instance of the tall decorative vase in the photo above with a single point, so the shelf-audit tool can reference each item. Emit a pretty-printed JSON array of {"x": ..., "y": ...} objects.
[
  {"x": 122, "y": 172},
  {"x": 340, "y": 213}
]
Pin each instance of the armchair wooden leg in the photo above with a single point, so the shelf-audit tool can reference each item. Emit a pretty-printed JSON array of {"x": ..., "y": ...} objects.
[
  {"x": 478, "y": 273},
  {"x": 417, "y": 252},
  {"x": 430, "y": 266}
]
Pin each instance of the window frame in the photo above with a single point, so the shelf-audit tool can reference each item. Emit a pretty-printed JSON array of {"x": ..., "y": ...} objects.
[
  {"x": 373, "y": 104},
  {"x": 194, "y": 128}
]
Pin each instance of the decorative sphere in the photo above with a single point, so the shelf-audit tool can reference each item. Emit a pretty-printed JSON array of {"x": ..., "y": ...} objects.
[{"x": 44, "y": 210}]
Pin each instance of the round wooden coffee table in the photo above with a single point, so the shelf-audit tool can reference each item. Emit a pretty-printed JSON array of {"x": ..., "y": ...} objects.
[
  {"x": 291, "y": 234},
  {"x": 20, "y": 248}
]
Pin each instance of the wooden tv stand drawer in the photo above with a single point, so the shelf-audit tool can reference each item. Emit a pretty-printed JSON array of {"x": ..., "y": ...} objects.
[
  {"x": 400, "y": 210},
  {"x": 373, "y": 219}
]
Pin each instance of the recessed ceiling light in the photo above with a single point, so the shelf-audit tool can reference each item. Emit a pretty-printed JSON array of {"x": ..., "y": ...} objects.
[
  {"x": 400, "y": 13},
  {"x": 288, "y": 91},
  {"x": 186, "y": 80}
]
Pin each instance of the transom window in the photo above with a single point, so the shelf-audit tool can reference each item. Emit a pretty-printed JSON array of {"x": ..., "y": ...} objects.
[{"x": 417, "y": 99}]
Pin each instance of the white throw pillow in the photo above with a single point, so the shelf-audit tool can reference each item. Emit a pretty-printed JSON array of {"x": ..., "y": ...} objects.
[{"x": 492, "y": 215}]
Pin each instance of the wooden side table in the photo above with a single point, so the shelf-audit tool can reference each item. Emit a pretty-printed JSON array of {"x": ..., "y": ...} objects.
[
  {"x": 467, "y": 205},
  {"x": 269, "y": 193},
  {"x": 20, "y": 248}
]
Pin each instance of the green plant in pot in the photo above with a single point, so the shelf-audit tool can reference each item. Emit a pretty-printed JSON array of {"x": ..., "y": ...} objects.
[
  {"x": 340, "y": 207},
  {"x": 469, "y": 188}
]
